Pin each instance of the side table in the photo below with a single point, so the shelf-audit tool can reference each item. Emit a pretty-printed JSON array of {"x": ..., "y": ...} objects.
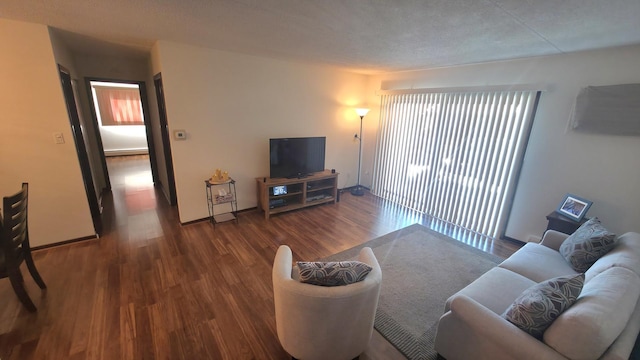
[
  {"x": 224, "y": 193},
  {"x": 562, "y": 223}
]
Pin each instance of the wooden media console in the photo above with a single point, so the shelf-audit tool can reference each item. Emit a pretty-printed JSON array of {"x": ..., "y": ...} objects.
[{"x": 277, "y": 195}]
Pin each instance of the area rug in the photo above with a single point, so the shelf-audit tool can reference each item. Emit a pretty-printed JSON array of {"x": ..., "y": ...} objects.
[{"x": 421, "y": 269}]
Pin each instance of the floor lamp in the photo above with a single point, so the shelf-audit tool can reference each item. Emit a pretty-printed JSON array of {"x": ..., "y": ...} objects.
[{"x": 357, "y": 191}]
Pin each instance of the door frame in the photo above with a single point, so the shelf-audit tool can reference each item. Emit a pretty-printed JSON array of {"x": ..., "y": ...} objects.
[
  {"x": 142, "y": 87},
  {"x": 164, "y": 131},
  {"x": 81, "y": 148}
]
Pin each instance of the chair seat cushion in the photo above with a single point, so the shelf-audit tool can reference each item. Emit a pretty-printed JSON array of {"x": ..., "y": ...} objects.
[
  {"x": 538, "y": 263},
  {"x": 334, "y": 273},
  {"x": 496, "y": 289}
]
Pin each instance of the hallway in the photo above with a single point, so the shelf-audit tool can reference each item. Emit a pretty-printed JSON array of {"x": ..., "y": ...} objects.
[{"x": 133, "y": 201}]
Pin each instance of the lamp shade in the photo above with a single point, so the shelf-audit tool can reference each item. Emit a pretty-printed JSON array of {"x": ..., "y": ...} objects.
[{"x": 362, "y": 111}]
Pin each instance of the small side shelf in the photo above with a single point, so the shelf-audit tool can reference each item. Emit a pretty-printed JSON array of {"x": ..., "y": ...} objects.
[
  {"x": 278, "y": 195},
  {"x": 221, "y": 193},
  {"x": 562, "y": 223}
]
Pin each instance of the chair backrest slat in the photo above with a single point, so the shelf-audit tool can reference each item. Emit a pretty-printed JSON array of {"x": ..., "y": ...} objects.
[
  {"x": 14, "y": 245},
  {"x": 14, "y": 227}
]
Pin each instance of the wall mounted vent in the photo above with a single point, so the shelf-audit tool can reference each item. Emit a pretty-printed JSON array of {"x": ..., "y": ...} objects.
[{"x": 613, "y": 110}]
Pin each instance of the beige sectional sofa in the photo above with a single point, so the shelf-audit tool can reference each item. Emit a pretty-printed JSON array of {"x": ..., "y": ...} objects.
[{"x": 602, "y": 324}]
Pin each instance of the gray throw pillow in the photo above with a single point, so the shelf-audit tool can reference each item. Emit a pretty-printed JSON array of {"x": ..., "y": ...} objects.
[
  {"x": 332, "y": 273},
  {"x": 587, "y": 244},
  {"x": 538, "y": 306}
]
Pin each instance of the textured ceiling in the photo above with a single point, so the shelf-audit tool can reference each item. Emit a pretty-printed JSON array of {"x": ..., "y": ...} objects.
[{"x": 363, "y": 35}]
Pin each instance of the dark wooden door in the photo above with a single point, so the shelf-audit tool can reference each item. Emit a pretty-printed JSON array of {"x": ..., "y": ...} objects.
[
  {"x": 153, "y": 160},
  {"x": 81, "y": 148},
  {"x": 166, "y": 145}
]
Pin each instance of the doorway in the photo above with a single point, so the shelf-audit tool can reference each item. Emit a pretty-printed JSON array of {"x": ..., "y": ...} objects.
[
  {"x": 91, "y": 148},
  {"x": 121, "y": 120},
  {"x": 117, "y": 108},
  {"x": 121, "y": 107}
]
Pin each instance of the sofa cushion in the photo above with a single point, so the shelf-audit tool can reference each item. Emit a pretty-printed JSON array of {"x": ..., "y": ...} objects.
[
  {"x": 602, "y": 311},
  {"x": 334, "y": 273},
  {"x": 486, "y": 288},
  {"x": 587, "y": 244},
  {"x": 626, "y": 253},
  {"x": 538, "y": 263},
  {"x": 541, "y": 304}
]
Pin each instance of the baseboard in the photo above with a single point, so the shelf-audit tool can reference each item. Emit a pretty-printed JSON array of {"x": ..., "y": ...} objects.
[
  {"x": 513, "y": 240},
  {"x": 207, "y": 218},
  {"x": 349, "y": 188},
  {"x": 194, "y": 221},
  {"x": 66, "y": 242}
]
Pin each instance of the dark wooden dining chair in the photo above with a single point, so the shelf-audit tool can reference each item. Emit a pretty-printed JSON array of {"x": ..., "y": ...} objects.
[{"x": 14, "y": 236}]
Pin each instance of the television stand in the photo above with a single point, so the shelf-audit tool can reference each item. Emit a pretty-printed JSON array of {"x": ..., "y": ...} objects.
[
  {"x": 313, "y": 189},
  {"x": 301, "y": 176}
]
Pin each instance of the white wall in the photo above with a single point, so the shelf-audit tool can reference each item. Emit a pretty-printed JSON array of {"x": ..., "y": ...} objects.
[
  {"x": 116, "y": 140},
  {"x": 231, "y": 104},
  {"x": 124, "y": 139},
  {"x": 64, "y": 57},
  {"x": 602, "y": 168},
  {"x": 33, "y": 108}
]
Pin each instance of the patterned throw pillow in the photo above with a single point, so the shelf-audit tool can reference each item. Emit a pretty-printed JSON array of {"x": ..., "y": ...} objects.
[
  {"x": 536, "y": 308},
  {"x": 587, "y": 244},
  {"x": 332, "y": 273}
]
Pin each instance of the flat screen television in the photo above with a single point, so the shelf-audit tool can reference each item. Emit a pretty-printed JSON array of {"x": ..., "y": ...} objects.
[{"x": 296, "y": 157}]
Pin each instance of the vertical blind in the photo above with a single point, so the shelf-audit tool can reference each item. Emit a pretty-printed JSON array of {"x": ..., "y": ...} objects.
[
  {"x": 454, "y": 156},
  {"x": 119, "y": 105}
]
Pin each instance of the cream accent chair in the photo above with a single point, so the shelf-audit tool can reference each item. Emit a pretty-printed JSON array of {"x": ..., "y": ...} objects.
[{"x": 318, "y": 322}]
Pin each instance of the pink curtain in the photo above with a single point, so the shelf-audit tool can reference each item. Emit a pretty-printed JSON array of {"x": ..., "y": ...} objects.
[{"x": 119, "y": 106}]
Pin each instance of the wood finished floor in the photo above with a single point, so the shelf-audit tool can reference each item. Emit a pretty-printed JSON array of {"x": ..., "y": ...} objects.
[{"x": 153, "y": 289}]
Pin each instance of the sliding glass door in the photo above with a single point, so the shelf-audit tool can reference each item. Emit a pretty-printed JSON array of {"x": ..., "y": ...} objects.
[{"x": 454, "y": 156}]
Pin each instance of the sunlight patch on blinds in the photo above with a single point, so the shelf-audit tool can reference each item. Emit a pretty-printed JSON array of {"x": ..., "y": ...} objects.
[
  {"x": 118, "y": 105},
  {"x": 454, "y": 156}
]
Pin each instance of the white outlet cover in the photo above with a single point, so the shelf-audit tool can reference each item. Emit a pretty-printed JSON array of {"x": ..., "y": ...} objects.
[
  {"x": 58, "y": 138},
  {"x": 179, "y": 134}
]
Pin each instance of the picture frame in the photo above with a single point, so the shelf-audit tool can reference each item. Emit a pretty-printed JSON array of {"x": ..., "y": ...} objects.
[{"x": 574, "y": 207}]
